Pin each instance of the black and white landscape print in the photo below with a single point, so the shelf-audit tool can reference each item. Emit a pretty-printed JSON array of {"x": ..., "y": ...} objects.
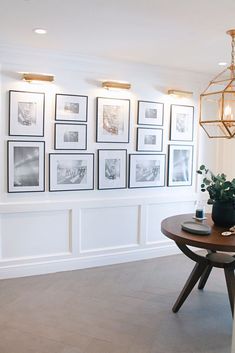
[
  {"x": 70, "y": 136},
  {"x": 112, "y": 169},
  {"x": 71, "y": 107},
  {"x": 147, "y": 170},
  {"x": 26, "y": 166},
  {"x": 74, "y": 171},
  {"x": 181, "y": 122},
  {"x": 149, "y": 139},
  {"x": 150, "y": 113},
  {"x": 27, "y": 113}
]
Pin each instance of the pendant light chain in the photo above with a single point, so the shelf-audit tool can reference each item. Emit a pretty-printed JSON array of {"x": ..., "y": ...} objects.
[{"x": 233, "y": 51}]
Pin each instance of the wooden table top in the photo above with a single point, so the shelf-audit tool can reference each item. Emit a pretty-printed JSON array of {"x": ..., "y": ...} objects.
[{"x": 171, "y": 227}]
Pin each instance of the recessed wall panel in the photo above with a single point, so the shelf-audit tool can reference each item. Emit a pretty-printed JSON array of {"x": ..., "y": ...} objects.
[
  {"x": 109, "y": 227},
  {"x": 35, "y": 234},
  {"x": 157, "y": 212}
]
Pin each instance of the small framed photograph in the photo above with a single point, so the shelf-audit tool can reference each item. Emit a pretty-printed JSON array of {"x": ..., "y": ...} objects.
[
  {"x": 71, "y": 107},
  {"x": 26, "y": 166},
  {"x": 147, "y": 170},
  {"x": 70, "y": 136},
  {"x": 71, "y": 172},
  {"x": 150, "y": 113},
  {"x": 26, "y": 113},
  {"x": 112, "y": 169},
  {"x": 112, "y": 120},
  {"x": 180, "y": 164},
  {"x": 181, "y": 123},
  {"x": 149, "y": 140}
]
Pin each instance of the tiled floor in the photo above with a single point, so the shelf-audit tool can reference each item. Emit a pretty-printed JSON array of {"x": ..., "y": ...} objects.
[{"x": 116, "y": 309}]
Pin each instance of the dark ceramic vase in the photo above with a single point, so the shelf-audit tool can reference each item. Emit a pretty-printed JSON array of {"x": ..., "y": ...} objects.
[{"x": 223, "y": 213}]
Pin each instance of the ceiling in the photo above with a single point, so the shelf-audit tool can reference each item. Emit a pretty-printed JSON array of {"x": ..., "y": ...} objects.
[{"x": 181, "y": 34}]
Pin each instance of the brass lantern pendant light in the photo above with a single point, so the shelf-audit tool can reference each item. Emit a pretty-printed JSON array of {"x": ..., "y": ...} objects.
[{"x": 217, "y": 102}]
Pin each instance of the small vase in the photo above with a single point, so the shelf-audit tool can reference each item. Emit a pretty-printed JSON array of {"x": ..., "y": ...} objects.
[{"x": 223, "y": 213}]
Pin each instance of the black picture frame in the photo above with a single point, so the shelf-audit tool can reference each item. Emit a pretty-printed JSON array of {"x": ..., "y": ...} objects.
[
  {"x": 143, "y": 173},
  {"x": 71, "y": 107},
  {"x": 26, "y": 113},
  {"x": 149, "y": 143},
  {"x": 109, "y": 172},
  {"x": 112, "y": 117},
  {"x": 71, "y": 173},
  {"x": 150, "y": 113},
  {"x": 70, "y": 137},
  {"x": 24, "y": 154},
  {"x": 184, "y": 175},
  {"x": 181, "y": 122}
]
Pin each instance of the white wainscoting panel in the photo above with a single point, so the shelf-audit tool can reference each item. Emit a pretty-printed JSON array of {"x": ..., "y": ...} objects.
[
  {"x": 109, "y": 227},
  {"x": 30, "y": 234},
  {"x": 157, "y": 212}
]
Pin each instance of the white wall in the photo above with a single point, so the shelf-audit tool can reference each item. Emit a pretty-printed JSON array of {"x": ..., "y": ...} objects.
[{"x": 46, "y": 232}]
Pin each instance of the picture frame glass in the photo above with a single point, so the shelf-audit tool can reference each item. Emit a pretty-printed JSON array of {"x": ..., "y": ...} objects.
[
  {"x": 26, "y": 166},
  {"x": 71, "y": 172},
  {"x": 112, "y": 169},
  {"x": 182, "y": 120},
  {"x": 70, "y": 136},
  {"x": 149, "y": 140},
  {"x": 147, "y": 170},
  {"x": 112, "y": 119},
  {"x": 150, "y": 113},
  {"x": 180, "y": 165},
  {"x": 26, "y": 113},
  {"x": 71, "y": 107}
]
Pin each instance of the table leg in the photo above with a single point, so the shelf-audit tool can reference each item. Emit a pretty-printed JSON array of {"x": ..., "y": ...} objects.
[
  {"x": 204, "y": 277},
  {"x": 230, "y": 281},
  {"x": 196, "y": 273}
]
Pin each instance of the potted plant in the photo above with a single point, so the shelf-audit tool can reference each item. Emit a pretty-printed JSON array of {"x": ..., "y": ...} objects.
[{"x": 221, "y": 196}]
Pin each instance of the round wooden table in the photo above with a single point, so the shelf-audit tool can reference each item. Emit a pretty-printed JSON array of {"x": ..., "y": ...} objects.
[{"x": 214, "y": 243}]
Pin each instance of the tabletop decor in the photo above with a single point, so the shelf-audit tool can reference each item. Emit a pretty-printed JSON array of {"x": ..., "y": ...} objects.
[{"x": 221, "y": 196}]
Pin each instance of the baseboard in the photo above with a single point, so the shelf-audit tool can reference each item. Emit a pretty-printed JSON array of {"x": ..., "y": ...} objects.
[{"x": 88, "y": 261}]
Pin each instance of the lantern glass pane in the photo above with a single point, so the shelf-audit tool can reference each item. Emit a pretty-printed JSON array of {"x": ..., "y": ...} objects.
[{"x": 215, "y": 129}]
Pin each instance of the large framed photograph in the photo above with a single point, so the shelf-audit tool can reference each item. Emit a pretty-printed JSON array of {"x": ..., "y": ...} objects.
[
  {"x": 112, "y": 169},
  {"x": 150, "y": 113},
  {"x": 147, "y": 170},
  {"x": 149, "y": 140},
  {"x": 180, "y": 162},
  {"x": 112, "y": 120},
  {"x": 70, "y": 137},
  {"x": 26, "y": 113},
  {"x": 71, "y": 172},
  {"x": 26, "y": 166},
  {"x": 71, "y": 107},
  {"x": 181, "y": 123}
]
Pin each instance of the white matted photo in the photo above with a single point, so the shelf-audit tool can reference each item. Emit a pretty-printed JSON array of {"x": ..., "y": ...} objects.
[
  {"x": 150, "y": 113},
  {"x": 112, "y": 169},
  {"x": 71, "y": 172},
  {"x": 147, "y": 170},
  {"x": 26, "y": 113},
  {"x": 112, "y": 120},
  {"x": 70, "y": 136},
  {"x": 26, "y": 166},
  {"x": 180, "y": 163},
  {"x": 181, "y": 123},
  {"x": 149, "y": 140},
  {"x": 71, "y": 107}
]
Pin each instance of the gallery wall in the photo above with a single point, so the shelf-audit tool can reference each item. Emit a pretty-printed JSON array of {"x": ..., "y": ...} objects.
[{"x": 45, "y": 232}]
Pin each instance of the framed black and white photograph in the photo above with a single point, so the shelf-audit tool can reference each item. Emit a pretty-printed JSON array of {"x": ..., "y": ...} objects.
[
  {"x": 71, "y": 107},
  {"x": 181, "y": 123},
  {"x": 147, "y": 170},
  {"x": 26, "y": 113},
  {"x": 150, "y": 113},
  {"x": 180, "y": 162},
  {"x": 71, "y": 172},
  {"x": 112, "y": 120},
  {"x": 112, "y": 169},
  {"x": 70, "y": 136},
  {"x": 26, "y": 166},
  {"x": 149, "y": 140}
]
